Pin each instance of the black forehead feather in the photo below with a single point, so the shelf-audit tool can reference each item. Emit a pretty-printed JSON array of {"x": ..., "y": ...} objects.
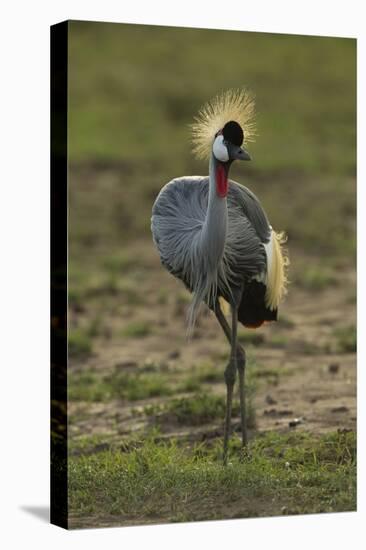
[{"x": 232, "y": 131}]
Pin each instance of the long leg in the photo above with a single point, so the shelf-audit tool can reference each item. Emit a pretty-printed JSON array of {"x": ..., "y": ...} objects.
[
  {"x": 243, "y": 415},
  {"x": 230, "y": 376},
  {"x": 241, "y": 362}
]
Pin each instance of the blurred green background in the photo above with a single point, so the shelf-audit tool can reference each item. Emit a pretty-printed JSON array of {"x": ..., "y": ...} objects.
[{"x": 134, "y": 90}]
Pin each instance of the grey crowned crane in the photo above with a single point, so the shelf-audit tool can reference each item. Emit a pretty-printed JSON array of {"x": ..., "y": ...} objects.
[{"x": 213, "y": 234}]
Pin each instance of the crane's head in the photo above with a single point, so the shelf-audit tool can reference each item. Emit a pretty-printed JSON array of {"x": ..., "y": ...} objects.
[
  {"x": 227, "y": 145},
  {"x": 222, "y": 125}
]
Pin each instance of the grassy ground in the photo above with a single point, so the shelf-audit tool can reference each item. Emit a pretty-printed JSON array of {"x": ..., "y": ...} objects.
[
  {"x": 153, "y": 482},
  {"x": 146, "y": 407}
]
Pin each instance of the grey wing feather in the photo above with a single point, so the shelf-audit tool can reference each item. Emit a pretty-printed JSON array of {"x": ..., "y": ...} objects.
[
  {"x": 252, "y": 209},
  {"x": 248, "y": 229},
  {"x": 178, "y": 215},
  {"x": 177, "y": 218}
]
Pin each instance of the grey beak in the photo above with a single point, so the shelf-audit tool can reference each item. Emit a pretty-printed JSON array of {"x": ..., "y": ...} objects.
[
  {"x": 237, "y": 153},
  {"x": 242, "y": 154}
]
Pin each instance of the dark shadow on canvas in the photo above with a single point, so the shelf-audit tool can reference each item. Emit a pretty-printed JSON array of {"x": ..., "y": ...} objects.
[{"x": 40, "y": 512}]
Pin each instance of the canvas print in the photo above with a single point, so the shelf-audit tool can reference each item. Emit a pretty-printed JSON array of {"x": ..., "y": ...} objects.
[{"x": 203, "y": 274}]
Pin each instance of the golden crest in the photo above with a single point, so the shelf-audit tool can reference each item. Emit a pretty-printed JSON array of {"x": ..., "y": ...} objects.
[{"x": 237, "y": 105}]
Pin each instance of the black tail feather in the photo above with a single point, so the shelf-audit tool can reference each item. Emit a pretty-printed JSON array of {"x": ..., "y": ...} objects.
[{"x": 252, "y": 310}]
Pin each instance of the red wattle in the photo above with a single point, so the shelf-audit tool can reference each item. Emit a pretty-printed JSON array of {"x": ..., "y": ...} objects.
[{"x": 221, "y": 181}]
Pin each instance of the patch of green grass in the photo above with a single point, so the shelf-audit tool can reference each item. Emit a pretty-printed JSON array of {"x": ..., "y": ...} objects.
[
  {"x": 95, "y": 327},
  {"x": 207, "y": 407},
  {"x": 162, "y": 296},
  {"x": 312, "y": 348},
  {"x": 152, "y": 366},
  {"x": 87, "y": 444},
  {"x": 130, "y": 294},
  {"x": 87, "y": 385},
  {"x": 294, "y": 473},
  {"x": 79, "y": 343},
  {"x": 316, "y": 278},
  {"x": 213, "y": 406},
  {"x": 204, "y": 372},
  {"x": 80, "y": 340},
  {"x": 97, "y": 443},
  {"x": 251, "y": 336},
  {"x": 77, "y": 282},
  {"x": 183, "y": 298},
  {"x": 277, "y": 341},
  {"x": 199, "y": 409},
  {"x": 90, "y": 385},
  {"x": 346, "y": 339},
  {"x": 119, "y": 263},
  {"x": 202, "y": 408},
  {"x": 75, "y": 297},
  {"x": 137, "y": 386},
  {"x": 190, "y": 384},
  {"x": 137, "y": 329},
  {"x": 269, "y": 375},
  {"x": 153, "y": 410},
  {"x": 209, "y": 373},
  {"x": 285, "y": 322}
]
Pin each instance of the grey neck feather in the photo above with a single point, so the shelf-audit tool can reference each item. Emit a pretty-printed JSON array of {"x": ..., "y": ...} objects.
[
  {"x": 214, "y": 230},
  {"x": 207, "y": 252}
]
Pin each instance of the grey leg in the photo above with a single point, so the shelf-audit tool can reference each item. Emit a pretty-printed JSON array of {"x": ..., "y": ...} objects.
[
  {"x": 243, "y": 417},
  {"x": 230, "y": 376},
  {"x": 223, "y": 322},
  {"x": 241, "y": 362}
]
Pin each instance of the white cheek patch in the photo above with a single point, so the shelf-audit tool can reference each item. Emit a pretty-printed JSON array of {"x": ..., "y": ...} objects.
[{"x": 220, "y": 150}]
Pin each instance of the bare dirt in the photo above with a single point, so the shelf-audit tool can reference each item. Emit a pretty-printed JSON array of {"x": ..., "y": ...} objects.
[{"x": 304, "y": 380}]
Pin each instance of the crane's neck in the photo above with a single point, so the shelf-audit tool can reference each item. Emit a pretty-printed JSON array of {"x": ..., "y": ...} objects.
[
  {"x": 208, "y": 250},
  {"x": 215, "y": 226}
]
